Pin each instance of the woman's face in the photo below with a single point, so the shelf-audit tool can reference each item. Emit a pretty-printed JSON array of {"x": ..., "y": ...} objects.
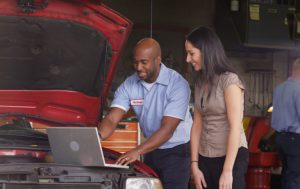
[{"x": 193, "y": 56}]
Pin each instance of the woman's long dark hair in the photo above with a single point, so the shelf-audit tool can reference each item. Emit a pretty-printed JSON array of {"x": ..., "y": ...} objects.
[{"x": 214, "y": 59}]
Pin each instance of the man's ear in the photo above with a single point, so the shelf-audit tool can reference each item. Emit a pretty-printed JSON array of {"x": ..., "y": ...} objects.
[{"x": 158, "y": 59}]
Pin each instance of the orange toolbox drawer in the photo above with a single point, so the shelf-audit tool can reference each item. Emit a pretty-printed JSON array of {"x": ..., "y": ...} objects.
[{"x": 124, "y": 138}]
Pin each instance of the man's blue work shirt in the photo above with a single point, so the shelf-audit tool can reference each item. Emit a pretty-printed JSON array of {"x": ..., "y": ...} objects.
[
  {"x": 169, "y": 96},
  {"x": 286, "y": 106}
]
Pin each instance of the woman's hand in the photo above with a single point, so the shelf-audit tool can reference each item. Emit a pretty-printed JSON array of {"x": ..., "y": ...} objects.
[
  {"x": 226, "y": 180},
  {"x": 198, "y": 177}
]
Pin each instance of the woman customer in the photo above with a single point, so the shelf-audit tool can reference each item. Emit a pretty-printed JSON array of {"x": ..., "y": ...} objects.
[{"x": 219, "y": 152}]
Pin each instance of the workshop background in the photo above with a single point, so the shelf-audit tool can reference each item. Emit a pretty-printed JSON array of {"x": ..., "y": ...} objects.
[{"x": 261, "y": 38}]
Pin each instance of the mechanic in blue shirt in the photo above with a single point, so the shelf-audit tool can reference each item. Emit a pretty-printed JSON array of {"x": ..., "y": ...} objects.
[
  {"x": 159, "y": 97},
  {"x": 286, "y": 121}
]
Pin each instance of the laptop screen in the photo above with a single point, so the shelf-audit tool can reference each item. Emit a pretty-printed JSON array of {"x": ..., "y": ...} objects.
[{"x": 77, "y": 146}]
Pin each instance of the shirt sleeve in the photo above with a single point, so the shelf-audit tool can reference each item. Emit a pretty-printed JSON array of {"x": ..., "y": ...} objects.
[
  {"x": 231, "y": 79},
  {"x": 121, "y": 97},
  {"x": 178, "y": 100}
]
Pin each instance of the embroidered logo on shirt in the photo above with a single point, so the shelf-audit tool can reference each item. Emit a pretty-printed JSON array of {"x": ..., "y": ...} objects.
[{"x": 136, "y": 102}]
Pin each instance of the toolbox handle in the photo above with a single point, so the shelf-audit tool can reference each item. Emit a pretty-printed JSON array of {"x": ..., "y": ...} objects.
[{"x": 121, "y": 126}]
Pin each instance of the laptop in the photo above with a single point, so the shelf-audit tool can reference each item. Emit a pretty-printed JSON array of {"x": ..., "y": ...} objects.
[{"x": 77, "y": 146}]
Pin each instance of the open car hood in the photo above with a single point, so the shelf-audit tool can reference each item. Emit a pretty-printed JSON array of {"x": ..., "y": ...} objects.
[{"x": 58, "y": 58}]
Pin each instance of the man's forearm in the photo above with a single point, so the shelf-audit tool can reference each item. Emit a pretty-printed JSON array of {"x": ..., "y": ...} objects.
[
  {"x": 109, "y": 123},
  {"x": 105, "y": 129},
  {"x": 161, "y": 136},
  {"x": 152, "y": 143}
]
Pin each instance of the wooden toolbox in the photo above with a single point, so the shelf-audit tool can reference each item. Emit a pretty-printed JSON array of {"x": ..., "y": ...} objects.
[{"x": 125, "y": 137}]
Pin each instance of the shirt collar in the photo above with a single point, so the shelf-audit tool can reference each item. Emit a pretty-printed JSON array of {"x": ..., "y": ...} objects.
[
  {"x": 293, "y": 80},
  {"x": 163, "y": 77}
]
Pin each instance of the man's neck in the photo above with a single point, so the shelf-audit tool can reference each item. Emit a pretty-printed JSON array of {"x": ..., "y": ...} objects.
[{"x": 296, "y": 75}]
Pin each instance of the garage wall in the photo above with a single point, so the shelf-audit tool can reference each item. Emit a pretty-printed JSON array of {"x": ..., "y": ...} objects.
[{"x": 186, "y": 14}]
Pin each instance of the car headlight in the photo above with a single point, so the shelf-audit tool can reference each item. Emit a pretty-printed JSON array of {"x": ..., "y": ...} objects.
[{"x": 143, "y": 183}]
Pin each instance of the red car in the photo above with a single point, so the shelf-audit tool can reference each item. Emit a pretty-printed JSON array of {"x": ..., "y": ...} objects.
[{"x": 57, "y": 62}]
